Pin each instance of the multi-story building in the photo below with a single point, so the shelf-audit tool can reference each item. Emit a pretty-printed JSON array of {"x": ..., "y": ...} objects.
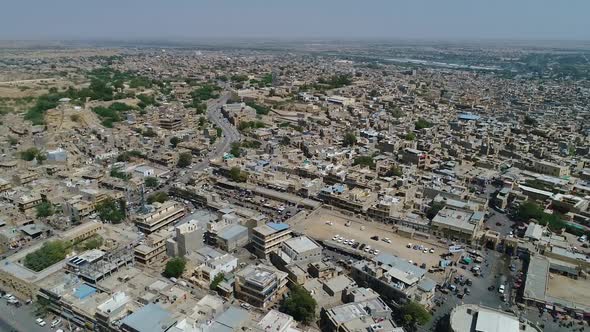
[
  {"x": 395, "y": 279},
  {"x": 170, "y": 123},
  {"x": 260, "y": 285},
  {"x": 188, "y": 237},
  {"x": 212, "y": 262},
  {"x": 370, "y": 315},
  {"x": 416, "y": 157},
  {"x": 545, "y": 167},
  {"x": 356, "y": 200},
  {"x": 267, "y": 238},
  {"x": 232, "y": 237},
  {"x": 457, "y": 225},
  {"x": 300, "y": 249},
  {"x": 152, "y": 251},
  {"x": 159, "y": 216}
]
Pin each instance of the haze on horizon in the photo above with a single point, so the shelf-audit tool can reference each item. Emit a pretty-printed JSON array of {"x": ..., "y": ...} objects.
[{"x": 416, "y": 19}]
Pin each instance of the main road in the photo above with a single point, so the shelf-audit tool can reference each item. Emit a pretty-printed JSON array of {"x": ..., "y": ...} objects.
[{"x": 230, "y": 133}]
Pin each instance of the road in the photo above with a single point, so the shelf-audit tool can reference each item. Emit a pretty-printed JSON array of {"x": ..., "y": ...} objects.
[
  {"x": 230, "y": 133},
  {"x": 19, "y": 319}
]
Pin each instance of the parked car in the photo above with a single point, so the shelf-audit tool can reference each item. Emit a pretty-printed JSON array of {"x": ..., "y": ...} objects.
[{"x": 55, "y": 323}]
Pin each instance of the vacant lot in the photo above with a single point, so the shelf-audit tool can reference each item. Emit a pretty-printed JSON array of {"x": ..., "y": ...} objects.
[
  {"x": 315, "y": 226},
  {"x": 569, "y": 289}
]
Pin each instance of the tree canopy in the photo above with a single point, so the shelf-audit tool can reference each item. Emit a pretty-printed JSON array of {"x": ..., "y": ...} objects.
[
  {"x": 44, "y": 210},
  {"x": 237, "y": 175},
  {"x": 111, "y": 210},
  {"x": 174, "y": 267},
  {"x": 349, "y": 139},
  {"x": 300, "y": 304},
  {"x": 50, "y": 253},
  {"x": 218, "y": 278},
  {"x": 413, "y": 313},
  {"x": 422, "y": 123},
  {"x": 184, "y": 159},
  {"x": 366, "y": 161},
  {"x": 410, "y": 137},
  {"x": 159, "y": 197},
  {"x": 394, "y": 170},
  {"x": 531, "y": 210},
  {"x": 151, "y": 182}
]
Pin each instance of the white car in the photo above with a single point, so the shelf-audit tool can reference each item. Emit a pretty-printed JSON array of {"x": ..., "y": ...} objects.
[
  {"x": 376, "y": 251},
  {"x": 386, "y": 240},
  {"x": 55, "y": 322},
  {"x": 42, "y": 323},
  {"x": 501, "y": 289},
  {"x": 431, "y": 250}
]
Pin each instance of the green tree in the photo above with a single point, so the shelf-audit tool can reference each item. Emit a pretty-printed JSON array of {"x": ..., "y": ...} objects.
[
  {"x": 111, "y": 210},
  {"x": 44, "y": 210},
  {"x": 236, "y": 149},
  {"x": 413, "y": 314},
  {"x": 219, "y": 131},
  {"x": 151, "y": 182},
  {"x": 174, "y": 141},
  {"x": 218, "y": 278},
  {"x": 159, "y": 197},
  {"x": 394, "y": 170},
  {"x": 50, "y": 253},
  {"x": 174, "y": 267},
  {"x": 184, "y": 159},
  {"x": 29, "y": 154},
  {"x": 349, "y": 139},
  {"x": 300, "y": 304},
  {"x": 237, "y": 175},
  {"x": 116, "y": 172},
  {"x": 285, "y": 140},
  {"x": 94, "y": 242},
  {"x": 410, "y": 137},
  {"x": 422, "y": 123},
  {"x": 366, "y": 161}
]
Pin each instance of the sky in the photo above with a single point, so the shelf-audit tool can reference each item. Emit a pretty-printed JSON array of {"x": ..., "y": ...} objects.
[{"x": 289, "y": 19}]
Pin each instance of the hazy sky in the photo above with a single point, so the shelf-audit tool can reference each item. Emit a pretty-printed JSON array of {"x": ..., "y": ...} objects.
[{"x": 422, "y": 19}]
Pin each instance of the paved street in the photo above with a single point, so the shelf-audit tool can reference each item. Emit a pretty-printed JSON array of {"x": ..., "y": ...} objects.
[
  {"x": 230, "y": 133},
  {"x": 19, "y": 319}
]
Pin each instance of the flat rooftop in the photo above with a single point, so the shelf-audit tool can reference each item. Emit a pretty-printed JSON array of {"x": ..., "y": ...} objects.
[
  {"x": 455, "y": 219},
  {"x": 301, "y": 244}
]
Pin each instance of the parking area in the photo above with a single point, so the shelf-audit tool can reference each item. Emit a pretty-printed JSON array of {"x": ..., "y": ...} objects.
[{"x": 325, "y": 224}]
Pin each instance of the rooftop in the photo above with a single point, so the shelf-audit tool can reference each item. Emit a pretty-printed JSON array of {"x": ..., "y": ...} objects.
[
  {"x": 150, "y": 318},
  {"x": 301, "y": 244}
]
